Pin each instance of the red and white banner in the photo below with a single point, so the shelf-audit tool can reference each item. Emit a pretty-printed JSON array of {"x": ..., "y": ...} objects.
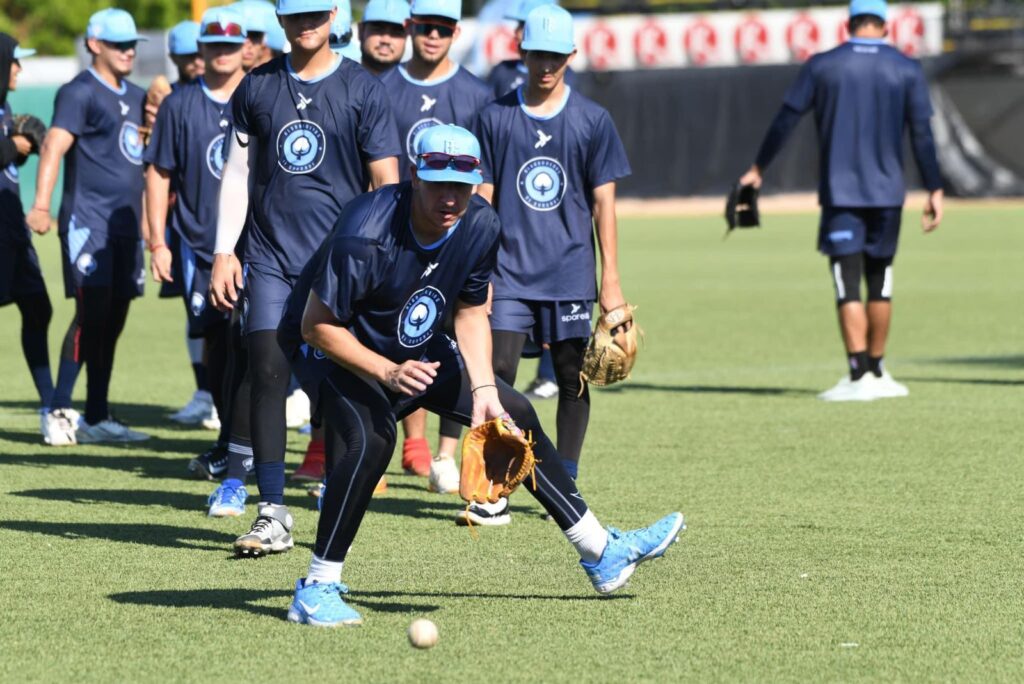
[{"x": 716, "y": 38}]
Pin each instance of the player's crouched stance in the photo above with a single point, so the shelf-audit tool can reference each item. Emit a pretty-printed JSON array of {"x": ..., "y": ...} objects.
[{"x": 362, "y": 330}]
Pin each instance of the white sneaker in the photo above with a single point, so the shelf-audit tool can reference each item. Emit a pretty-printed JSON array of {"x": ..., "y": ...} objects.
[
  {"x": 852, "y": 390},
  {"x": 270, "y": 533},
  {"x": 444, "y": 476},
  {"x": 541, "y": 389},
  {"x": 296, "y": 409},
  {"x": 887, "y": 388},
  {"x": 108, "y": 430},
  {"x": 488, "y": 515},
  {"x": 59, "y": 426},
  {"x": 212, "y": 421},
  {"x": 198, "y": 408}
]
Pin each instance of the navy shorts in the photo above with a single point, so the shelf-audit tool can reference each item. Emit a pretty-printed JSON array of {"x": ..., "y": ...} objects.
[
  {"x": 870, "y": 230},
  {"x": 196, "y": 293},
  {"x": 100, "y": 260},
  {"x": 20, "y": 275},
  {"x": 175, "y": 287},
  {"x": 543, "y": 322},
  {"x": 266, "y": 291}
]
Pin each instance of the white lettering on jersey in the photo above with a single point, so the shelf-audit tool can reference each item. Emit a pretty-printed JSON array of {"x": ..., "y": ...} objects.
[
  {"x": 543, "y": 140},
  {"x": 428, "y": 103}
]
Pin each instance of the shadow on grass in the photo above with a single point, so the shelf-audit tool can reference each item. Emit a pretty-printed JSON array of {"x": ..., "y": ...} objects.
[
  {"x": 152, "y": 416},
  {"x": 995, "y": 382},
  {"x": 711, "y": 389},
  {"x": 991, "y": 361},
  {"x": 442, "y": 509},
  {"x": 139, "y": 497},
  {"x": 148, "y": 466},
  {"x": 161, "y": 536}
]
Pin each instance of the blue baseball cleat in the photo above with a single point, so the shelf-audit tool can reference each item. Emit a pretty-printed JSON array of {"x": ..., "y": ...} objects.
[
  {"x": 228, "y": 500},
  {"x": 321, "y": 605},
  {"x": 626, "y": 550}
]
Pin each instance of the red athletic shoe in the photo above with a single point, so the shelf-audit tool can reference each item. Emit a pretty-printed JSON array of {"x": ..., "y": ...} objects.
[
  {"x": 312, "y": 468},
  {"x": 416, "y": 457}
]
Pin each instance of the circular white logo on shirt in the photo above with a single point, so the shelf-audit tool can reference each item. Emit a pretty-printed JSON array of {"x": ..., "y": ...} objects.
[
  {"x": 416, "y": 323},
  {"x": 414, "y": 131},
  {"x": 541, "y": 183},
  {"x": 215, "y": 156},
  {"x": 12, "y": 173},
  {"x": 131, "y": 142},
  {"x": 300, "y": 147},
  {"x": 86, "y": 264}
]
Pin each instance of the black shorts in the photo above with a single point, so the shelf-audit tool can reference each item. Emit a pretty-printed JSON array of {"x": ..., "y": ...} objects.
[
  {"x": 195, "y": 291},
  {"x": 20, "y": 275},
  {"x": 100, "y": 260},
  {"x": 874, "y": 231}
]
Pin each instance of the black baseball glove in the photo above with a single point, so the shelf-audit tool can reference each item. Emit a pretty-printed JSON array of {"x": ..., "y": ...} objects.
[
  {"x": 32, "y": 128},
  {"x": 741, "y": 207}
]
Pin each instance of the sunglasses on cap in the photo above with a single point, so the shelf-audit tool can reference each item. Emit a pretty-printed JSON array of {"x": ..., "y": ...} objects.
[
  {"x": 229, "y": 29},
  {"x": 121, "y": 46},
  {"x": 439, "y": 160},
  {"x": 424, "y": 27}
]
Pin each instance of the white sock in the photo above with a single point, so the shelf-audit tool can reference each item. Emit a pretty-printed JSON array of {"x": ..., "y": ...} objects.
[
  {"x": 324, "y": 571},
  {"x": 588, "y": 537}
]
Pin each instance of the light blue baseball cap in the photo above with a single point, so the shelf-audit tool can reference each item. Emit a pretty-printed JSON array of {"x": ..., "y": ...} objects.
[
  {"x": 113, "y": 25},
  {"x": 221, "y": 17},
  {"x": 22, "y": 53},
  {"x": 447, "y": 139},
  {"x": 349, "y": 50},
  {"x": 450, "y": 9},
  {"x": 548, "y": 28},
  {"x": 876, "y": 7},
  {"x": 183, "y": 38},
  {"x": 275, "y": 38},
  {"x": 257, "y": 15},
  {"x": 521, "y": 9},
  {"x": 303, "y": 6},
  {"x": 341, "y": 29},
  {"x": 387, "y": 11}
]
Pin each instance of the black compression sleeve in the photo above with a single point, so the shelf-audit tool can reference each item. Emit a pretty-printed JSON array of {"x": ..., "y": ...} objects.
[{"x": 780, "y": 130}]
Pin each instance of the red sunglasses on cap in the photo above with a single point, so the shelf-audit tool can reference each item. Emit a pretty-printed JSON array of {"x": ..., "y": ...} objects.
[
  {"x": 230, "y": 29},
  {"x": 439, "y": 160}
]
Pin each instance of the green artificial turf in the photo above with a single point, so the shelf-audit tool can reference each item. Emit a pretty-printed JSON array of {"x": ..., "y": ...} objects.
[{"x": 876, "y": 541}]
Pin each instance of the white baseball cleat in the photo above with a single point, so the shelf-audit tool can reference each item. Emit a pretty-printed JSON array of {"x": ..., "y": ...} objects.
[
  {"x": 109, "y": 430},
  {"x": 852, "y": 390},
  {"x": 887, "y": 388},
  {"x": 58, "y": 426},
  {"x": 485, "y": 514},
  {"x": 296, "y": 409},
  {"x": 444, "y": 476},
  {"x": 196, "y": 410}
]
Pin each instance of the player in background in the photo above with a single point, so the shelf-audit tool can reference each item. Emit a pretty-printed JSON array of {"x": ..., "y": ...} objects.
[
  {"x": 382, "y": 35},
  {"x": 259, "y": 18},
  {"x": 364, "y": 329},
  {"x": 276, "y": 41},
  {"x": 341, "y": 33},
  {"x": 95, "y": 130},
  {"x": 428, "y": 90},
  {"x": 320, "y": 132},
  {"x": 864, "y": 93},
  {"x": 508, "y": 75},
  {"x": 186, "y": 157},
  {"x": 551, "y": 158},
  {"x": 21, "y": 279},
  {"x": 183, "y": 50}
]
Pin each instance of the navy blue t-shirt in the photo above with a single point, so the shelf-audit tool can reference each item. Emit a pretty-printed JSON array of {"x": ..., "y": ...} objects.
[
  {"x": 508, "y": 75},
  {"x": 390, "y": 291},
  {"x": 544, "y": 171},
  {"x": 313, "y": 140},
  {"x": 12, "y": 215},
  {"x": 864, "y": 93},
  {"x": 456, "y": 98},
  {"x": 188, "y": 142},
  {"x": 103, "y": 177}
]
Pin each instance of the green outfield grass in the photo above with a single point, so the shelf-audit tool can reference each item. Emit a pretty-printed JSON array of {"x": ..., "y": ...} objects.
[{"x": 825, "y": 542}]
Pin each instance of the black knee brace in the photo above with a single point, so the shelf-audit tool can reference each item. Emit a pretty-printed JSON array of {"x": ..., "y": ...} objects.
[
  {"x": 846, "y": 274},
  {"x": 879, "y": 276}
]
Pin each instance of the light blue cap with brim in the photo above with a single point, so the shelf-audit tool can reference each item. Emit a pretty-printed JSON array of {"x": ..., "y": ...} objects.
[
  {"x": 447, "y": 139},
  {"x": 223, "y": 16},
  {"x": 449, "y": 9},
  {"x": 548, "y": 28},
  {"x": 22, "y": 53},
  {"x": 877, "y": 8},
  {"x": 275, "y": 38},
  {"x": 521, "y": 9},
  {"x": 113, "y": 25},
  {"x": 304, "y": 6},
  {"x": 387, "y": 11},
  {"x": 257, "y": 15},
  {"x": 183, "y": 38}
]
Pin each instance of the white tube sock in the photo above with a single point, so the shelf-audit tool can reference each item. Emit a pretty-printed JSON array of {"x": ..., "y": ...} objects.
[
  {"x": 324, "y": 571},
  {"x": 588, "y": 537}
]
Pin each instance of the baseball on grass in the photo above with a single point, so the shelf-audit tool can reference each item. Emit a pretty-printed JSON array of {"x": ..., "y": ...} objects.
[{"x": 423, "y": 633}]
